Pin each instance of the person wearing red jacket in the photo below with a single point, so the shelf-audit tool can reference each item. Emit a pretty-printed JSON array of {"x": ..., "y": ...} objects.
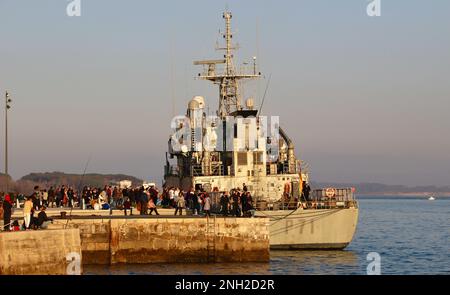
[{"x": 7, "y": 211}]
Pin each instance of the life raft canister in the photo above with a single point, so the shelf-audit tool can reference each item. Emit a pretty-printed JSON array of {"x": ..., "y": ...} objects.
[
  {"x": 330, "y": 192},
  {"x": 287, "y": 187}
]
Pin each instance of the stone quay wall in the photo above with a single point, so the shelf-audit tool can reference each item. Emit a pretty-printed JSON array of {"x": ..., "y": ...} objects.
[
  {"x": 171, "y": 240},
  {"x": 41, "y": 252}
]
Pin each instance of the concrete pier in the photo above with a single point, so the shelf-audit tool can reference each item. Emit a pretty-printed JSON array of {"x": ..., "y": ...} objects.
[
  {"x": 171, "y": 239},
  {"x": 56, "y": 212},
  {"x": 41, "y": 252}
]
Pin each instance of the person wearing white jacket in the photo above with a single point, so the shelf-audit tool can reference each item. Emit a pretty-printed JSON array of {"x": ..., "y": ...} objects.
[
  {"x": 27, "y": 208},
  {"x": 207, "y": 206},
  {"x": 181, "y": 203}
]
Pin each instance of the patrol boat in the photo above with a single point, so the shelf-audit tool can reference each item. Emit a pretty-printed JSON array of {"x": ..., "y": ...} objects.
[{"x": 237, "y": 147}]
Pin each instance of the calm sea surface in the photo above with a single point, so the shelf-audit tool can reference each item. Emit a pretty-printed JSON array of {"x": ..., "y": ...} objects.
[{"x": 412, "y": 236}]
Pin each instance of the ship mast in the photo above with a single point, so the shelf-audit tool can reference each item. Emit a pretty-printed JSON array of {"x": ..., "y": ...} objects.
[
  {"x": 229, "y": 47},
  {"x": 228, "y": 80}
]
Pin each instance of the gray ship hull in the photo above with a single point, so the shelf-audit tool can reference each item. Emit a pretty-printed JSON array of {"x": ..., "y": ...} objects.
[{"x": 300, "y": 229}]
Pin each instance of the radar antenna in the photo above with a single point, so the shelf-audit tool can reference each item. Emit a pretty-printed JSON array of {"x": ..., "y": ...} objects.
[{"x": 228, "y": 79}]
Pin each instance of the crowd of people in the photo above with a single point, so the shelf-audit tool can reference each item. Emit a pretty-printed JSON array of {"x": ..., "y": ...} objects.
[
  {"x": 146, "y": 201},
  {"x": 30, "y": 221},
  {"x": 237, "y": 202}
]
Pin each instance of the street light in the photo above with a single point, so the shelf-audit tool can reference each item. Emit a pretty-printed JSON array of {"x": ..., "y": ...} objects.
[{"x": 7, "y": 107}]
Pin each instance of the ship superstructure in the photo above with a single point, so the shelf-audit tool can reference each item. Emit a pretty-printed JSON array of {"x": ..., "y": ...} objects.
[{"x": 237, "y": 146}]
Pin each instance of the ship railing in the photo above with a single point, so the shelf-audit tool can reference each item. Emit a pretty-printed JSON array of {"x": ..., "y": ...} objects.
[
  {"x": 216, "y": 207},
  {"x": 216, "y": 170},
  {"x": 215, "y": 201},
  {"x": 263, "y": 205},
  {"x": 281, "y": 168},
  {"x": 196, "y": 170},
  {"x": 343, "y": 199},
  {"x": 331, "y": 198}
]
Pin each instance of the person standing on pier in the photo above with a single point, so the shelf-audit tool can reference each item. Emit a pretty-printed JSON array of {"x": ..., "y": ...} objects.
[
  {"x": 51, "y": 196},
  {"x": 35, "y": 198},
  {"x": 224, "y": 203},
  {"x": 7, "y": 212},
  {"x": 127, "y": 206},
  {"x": 235, "y": 204},
  {"x": 189, "y": 198},
  {"x": 115, "y": 198},
  {"x": 153, "y": 194},
  {"x": 59, "y": 197},
  {"x": 65, "y": 198},
  {"x": 143, "y": 198},
  {"x": 176, "y": 195},
  {"x": 207, "y": 206},
  {"x": 244, "y": 203},
  {"x": 44, "y": 197},
  {"x": 180, "y": 204},
  {"x": 70, "y": 196},
  {"x": 108, "y": 190},
  {"x": 152, "y": 206},
  {"x": 196, "y": 204},
  {"x": 306, "y": 191},
  {"x": 27, "y": 209}
]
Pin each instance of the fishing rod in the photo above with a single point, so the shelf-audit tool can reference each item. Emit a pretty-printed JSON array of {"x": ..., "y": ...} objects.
[{"x": 79, "y": 188}]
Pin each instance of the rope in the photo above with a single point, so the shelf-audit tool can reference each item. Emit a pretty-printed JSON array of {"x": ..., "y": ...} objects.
[
  {"x": 302, "y": 224},
  {"x": 274, "y": 217}
]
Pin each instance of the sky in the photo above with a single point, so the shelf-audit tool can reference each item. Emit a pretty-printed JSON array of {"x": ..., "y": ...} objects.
[{"x": 365, "y": 99}]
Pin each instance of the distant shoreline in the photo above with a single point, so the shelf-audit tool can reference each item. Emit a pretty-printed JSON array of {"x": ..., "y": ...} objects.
[{"x": 404, "y": 195}]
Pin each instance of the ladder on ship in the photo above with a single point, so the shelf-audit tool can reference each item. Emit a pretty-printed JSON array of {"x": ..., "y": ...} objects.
[{"x": 211, "y": 238}]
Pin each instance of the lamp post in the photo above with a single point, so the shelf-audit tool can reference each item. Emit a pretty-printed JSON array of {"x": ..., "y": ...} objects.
[{"x": 7, "y": 107}]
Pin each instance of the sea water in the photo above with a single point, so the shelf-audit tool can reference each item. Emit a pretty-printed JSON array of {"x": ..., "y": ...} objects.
[{"x": 410, "y": 234}]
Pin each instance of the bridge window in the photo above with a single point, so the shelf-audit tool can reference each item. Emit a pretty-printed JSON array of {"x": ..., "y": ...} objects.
[{"x": 242, "y": 159}]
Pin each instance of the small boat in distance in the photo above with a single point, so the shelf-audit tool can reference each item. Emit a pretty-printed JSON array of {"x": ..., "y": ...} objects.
[{"x": 431, "y": 198}]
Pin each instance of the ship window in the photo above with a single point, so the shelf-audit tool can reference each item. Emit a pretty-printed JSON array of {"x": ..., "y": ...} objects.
[
  {"x": 257, "y": 158},
  {"x": 242, "y": 158}
]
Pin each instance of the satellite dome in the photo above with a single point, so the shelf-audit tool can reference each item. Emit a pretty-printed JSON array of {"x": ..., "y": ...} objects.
[
  {"x": 200, "y": 100},
  {"x": 250, "y": 103},
  {"x": 193, "y": 105}
]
